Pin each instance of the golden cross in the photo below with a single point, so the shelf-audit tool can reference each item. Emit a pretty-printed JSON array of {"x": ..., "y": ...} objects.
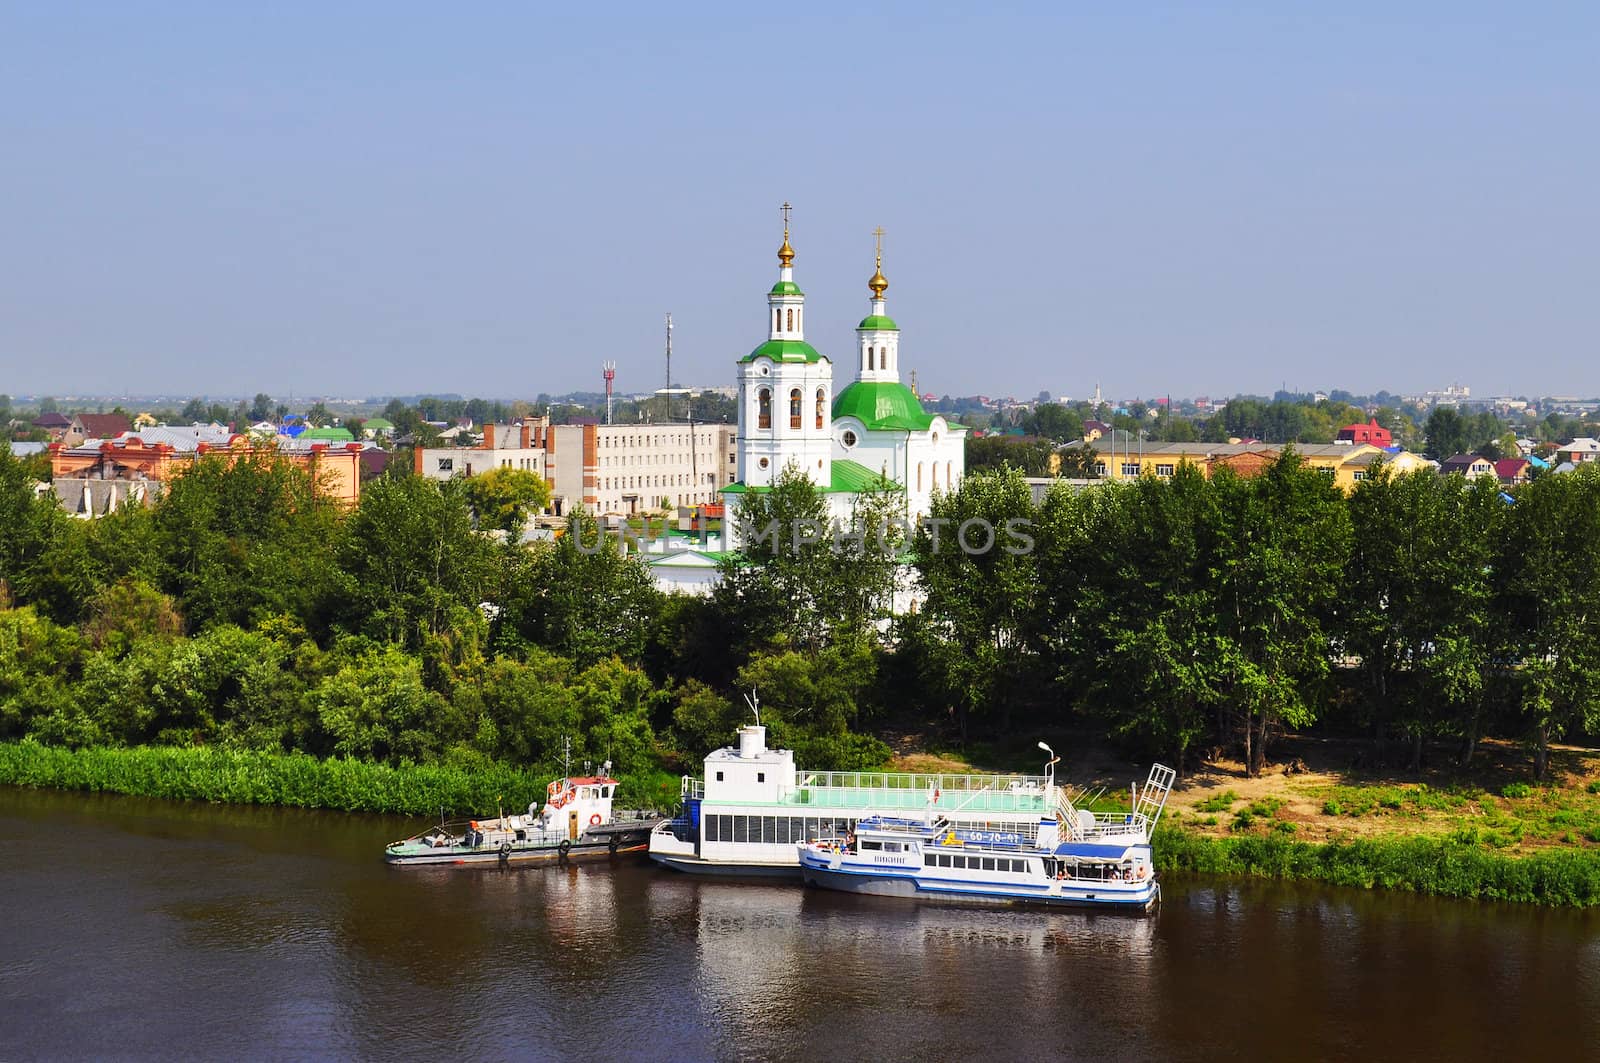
[
  {"x": 786, "y": 209},
  {"x": 878, "y": 237}
]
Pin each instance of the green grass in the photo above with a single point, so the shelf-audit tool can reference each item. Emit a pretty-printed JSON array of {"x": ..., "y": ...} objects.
[
  {"x": 294, "y": 779},
  {"x": 1448, "y": 867},
  {"x": 1222, "y": 802}
]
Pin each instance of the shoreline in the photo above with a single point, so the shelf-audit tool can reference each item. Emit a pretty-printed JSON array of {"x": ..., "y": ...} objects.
[{"x": 1440, "y": 865}]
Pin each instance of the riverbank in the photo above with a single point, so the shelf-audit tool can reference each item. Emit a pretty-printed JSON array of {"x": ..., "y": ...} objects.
[
  {"x": 1324, "y": 812},
  {"x": 295, "y": 780}
]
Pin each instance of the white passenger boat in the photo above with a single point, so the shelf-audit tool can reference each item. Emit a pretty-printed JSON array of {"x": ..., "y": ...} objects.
[
  {"x": 1076, "y": 857},
  {"x": 577, "y": 822},
  {"x": 753, "y": 807}
]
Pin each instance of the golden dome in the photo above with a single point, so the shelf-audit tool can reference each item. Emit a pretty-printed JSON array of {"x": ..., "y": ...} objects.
[
  {"x": 785, "y": 253},
  {"x": 879, "y": 284}
]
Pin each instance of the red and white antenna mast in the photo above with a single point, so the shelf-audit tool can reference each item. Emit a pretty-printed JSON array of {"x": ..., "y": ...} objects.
[{"x": 609, "y": 371}]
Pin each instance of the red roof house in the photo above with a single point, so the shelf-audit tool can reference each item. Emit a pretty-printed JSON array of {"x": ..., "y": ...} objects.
[{"x": 1373, "y": 433}]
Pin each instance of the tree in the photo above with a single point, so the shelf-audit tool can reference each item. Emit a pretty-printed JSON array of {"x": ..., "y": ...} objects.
[
  {"x": 1053, "y": 421},
  {"x": 1446, "y": 433},
  {"x": 415, "y": 566},
  {"x": 580, "y": 596},
  {"x": 1547, "y": 578},
  {"x": 1416, "y": 612},
  {"x": 502, "y": 499},
  {"x": 974, "y": 559},
  {"x": 1281, "y": 554},
  {"x": 1130, "y": 605},
  {"x": 261, "y": 408}
]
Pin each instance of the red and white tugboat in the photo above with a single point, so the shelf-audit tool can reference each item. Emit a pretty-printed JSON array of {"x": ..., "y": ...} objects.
[{"x": 577, "y": 822}]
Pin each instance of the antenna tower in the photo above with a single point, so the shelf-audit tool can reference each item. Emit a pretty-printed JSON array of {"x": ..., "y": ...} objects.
[
  {"x": 609, "y": 371},
  {"x": 669, "y": 368}
]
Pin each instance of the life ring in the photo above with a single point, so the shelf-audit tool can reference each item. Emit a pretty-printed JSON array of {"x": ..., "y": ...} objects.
[
  {"x": 563, "y": 850},
  {"x": 505, "y": 851},
  {"x": 594, "y": 820}
]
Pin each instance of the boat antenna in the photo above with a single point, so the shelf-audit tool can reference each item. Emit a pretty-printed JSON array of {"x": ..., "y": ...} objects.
[
  {"x": 566, "y": 757},
  {"x": 754, "y": 702}
]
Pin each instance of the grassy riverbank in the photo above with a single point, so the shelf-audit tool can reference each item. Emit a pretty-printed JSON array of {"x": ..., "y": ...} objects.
[
  {"x": 1491, "y": 833},
  {"x": 294, "y": 779}
]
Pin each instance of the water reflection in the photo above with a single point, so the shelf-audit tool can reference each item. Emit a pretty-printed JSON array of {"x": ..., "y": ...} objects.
[{"x": 282, "y": 933}]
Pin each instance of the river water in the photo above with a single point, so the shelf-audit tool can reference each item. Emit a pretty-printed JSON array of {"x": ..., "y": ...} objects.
[{"x": 150, "y": 929}]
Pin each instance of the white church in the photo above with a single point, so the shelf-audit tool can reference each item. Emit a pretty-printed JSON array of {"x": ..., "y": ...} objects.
[{"x": 871, "y": 436}]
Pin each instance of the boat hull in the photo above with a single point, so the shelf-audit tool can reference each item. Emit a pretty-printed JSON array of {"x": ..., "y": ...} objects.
[
  {"x": 694, "y": 865},
  {"x": 1138, "y": 898},
  {"x": 599, "y": 843}
]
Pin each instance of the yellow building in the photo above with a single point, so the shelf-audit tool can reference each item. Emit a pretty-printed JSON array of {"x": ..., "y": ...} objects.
[{"x": 1345, "y": 464}]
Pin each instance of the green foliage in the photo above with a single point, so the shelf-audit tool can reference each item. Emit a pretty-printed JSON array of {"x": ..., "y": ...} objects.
[
  {"x": 251, "y": 777},
  {"x": 502, "y": 498},
  {"x": 1516, "y": 790},
  {"x": 1444, "y": 867},
  {"x": 1222, "y": 802}
]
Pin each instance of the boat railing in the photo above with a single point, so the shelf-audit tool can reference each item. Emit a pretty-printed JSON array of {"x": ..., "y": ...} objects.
[
  {"x": 943, "y": 793},
  {"x": 693, "y": 788}
]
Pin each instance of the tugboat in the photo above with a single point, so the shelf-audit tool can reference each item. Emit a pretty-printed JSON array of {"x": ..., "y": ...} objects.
[{"x": 577, "y": 823}]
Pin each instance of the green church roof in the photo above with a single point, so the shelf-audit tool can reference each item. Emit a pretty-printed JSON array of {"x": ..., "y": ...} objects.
[
  {"x": 784, "y": 351},
  {"x": 878, "y": 321},
  {"x": 786, "y": 288},
  {"x": 328, "y": 435},
  {"x": 880, "y": 404}
]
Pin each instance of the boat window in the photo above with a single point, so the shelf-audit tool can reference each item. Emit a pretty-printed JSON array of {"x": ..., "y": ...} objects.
[
  {"x": 891, "y": 847},
  {"x": 988, "y": 863},
  {"x": 769, "y": 829},
  {"x": 719, "y": 776},
  {"x": 522, "y": 835},
  {"x": 741, "y": 828},
  {"x": 871, "y": 845},
  {"x": 945, "y": 860},
  {"x": 761, "y": 776},
  {"x": 930, "y": 860}
]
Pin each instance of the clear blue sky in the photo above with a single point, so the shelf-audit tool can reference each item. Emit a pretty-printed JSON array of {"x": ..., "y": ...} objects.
[{"x": 492, "y": 199}]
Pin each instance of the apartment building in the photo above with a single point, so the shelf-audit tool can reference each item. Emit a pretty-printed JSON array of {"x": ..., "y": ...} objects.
[{"x": 614, "y": 469}]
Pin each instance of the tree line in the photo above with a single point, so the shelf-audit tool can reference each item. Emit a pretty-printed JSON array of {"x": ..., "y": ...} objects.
[{"x": 1173, "y": 616}]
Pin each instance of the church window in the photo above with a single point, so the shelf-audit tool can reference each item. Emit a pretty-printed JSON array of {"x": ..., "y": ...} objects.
[
  {"x": 764, "y": 407},
  {"x": 794, "y": 408},
  {"x": 869, "y": 359},
  {"x": 762, "y": 463},
  {"x": 949, "y": 480},
  {"x": 919, "y": 476},
  {"x": 819, "y": 407},
  {"x": 777, "y": 320},
  {"x": 789, "y": 324},
  {"x": 848, "y": 439}
]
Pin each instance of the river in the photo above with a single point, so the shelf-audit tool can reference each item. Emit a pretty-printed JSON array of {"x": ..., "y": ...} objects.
[{"x": 147, "y": 929}]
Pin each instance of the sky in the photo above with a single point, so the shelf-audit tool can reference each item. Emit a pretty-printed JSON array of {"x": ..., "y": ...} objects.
[{"x": 492, "y": 199}]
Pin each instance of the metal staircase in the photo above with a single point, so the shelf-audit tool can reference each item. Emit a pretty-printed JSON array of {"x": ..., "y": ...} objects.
[{"x": 1152, "y": 797}]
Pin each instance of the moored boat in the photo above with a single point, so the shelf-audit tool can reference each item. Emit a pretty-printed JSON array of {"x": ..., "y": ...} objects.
[
  {"x": 577, "y": 822},
  {"x": 746, "y": 815},
  {"x": 1076, "y": 857}
]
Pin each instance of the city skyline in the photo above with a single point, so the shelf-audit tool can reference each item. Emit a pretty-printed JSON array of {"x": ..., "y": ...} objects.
[{"x": 1163, "y": 201}]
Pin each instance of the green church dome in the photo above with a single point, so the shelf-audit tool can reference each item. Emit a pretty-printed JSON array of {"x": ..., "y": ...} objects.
[
  {"x": 878, "y": 321},
  {"x": 880, "y": 404}
]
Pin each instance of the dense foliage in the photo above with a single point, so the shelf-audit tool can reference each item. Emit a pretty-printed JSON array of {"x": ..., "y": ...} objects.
[{"x": 244, "y": 613}]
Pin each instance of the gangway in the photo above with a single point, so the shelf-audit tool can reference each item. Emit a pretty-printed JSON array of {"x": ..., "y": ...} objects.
[{"x": 1150, "y": 800}]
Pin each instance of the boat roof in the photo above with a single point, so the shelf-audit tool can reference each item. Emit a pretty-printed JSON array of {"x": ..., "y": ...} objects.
[
  {"x": 589, "y": 780},
  {"x": 1093, "y": 851}
]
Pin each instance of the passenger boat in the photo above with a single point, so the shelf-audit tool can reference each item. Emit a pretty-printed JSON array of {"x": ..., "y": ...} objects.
[
  {"x": 1076, "y": 857},
  {"x": 577, "y": 823},
  {"x": 753, "y": 806}
]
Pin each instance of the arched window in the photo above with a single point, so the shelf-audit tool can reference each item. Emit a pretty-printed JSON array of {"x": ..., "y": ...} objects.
[
  {"x": 819, "y": 407},
  {"x": 777, "y": 320},
  {"x": 794, "y": 408},
  {"x": 949, "y": 482},
  {"x": 789, "y": 324},
  {"x": 919, "y": 476},
  {"x": 869, "y": 358},
  {"x": 764, "y": 408}
]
